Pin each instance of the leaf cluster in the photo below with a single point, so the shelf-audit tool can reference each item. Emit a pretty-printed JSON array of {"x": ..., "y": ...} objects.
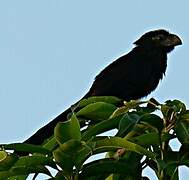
[{"x": 143, "y": 129}]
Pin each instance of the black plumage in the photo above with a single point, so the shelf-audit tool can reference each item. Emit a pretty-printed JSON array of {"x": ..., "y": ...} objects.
[{"x": 132, "y": 76}]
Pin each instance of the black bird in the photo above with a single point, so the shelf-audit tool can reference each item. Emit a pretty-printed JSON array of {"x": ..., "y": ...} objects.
[{"x": 132, "y": 76}]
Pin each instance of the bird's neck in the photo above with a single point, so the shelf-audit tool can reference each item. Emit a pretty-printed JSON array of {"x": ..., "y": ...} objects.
[{"x": 157, "y": 57}]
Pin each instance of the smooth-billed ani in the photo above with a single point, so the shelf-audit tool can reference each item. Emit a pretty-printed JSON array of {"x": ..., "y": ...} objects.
[{"x": 132, "y": 76}]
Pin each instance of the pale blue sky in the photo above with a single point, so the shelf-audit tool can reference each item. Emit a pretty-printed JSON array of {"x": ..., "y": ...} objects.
[{"x": 50, "y": 51}]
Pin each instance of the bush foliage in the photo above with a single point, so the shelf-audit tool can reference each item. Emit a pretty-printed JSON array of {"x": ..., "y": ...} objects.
[{"x": 143, "y": 129}]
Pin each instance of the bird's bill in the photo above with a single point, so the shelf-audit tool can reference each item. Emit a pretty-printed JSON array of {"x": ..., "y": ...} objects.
[{"x": 173, "y": 40}]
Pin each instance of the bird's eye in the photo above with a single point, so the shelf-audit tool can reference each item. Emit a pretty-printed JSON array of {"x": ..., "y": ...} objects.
[{"x": 160, "y": 37}]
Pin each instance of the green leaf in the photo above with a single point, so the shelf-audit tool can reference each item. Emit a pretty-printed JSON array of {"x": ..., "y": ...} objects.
[
  {"x": 67, "y": 130},
  {"x": 4, "y": 175},
  {"x": 169, "y": 165},
  {"x": 64, "y": 161},
  {"x": 101, "y": 127},
  {"x": 97, "y": 111},
  {"x": 166, "y": 110},
  {"x": 182, "y": 132},
  {"x": 34, "y": 160},
  {"x": 184, "y": 160},
  {"x": 152, "y": 121},
  {"x": 28, "y": 164},
  {"x": 50, "y": 144},
  {"x": 66, "y": 154},
  {"x": 128, "y": 106},
  {"x": 26, "y": 148},
  {"x": 176, "y": 105},
  {"x": 83, "y": 154},
  {"x": 3, "y": 155},
  {"x": 7, "y": 160},
  {"x": 184, "y": 117},
  {"x": 147, "y": 139},
  {"x": 182, "y": 127},
  {"x": 18, "y": 172},
  {"x": 172, "y": 171},
  {"x": 60, "y": 176},
  {"x": 94, "y": 99},
  {"x": 133, "y": 160},
  {"x": 106, "y": 167},
  {"x": 19, "y": 177},
  {"x": 113, "y": 143},
  {"x": 127, "y": 123}
]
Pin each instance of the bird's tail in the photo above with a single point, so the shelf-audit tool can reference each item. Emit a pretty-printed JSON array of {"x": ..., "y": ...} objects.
[{"x": 47, "y": 131}]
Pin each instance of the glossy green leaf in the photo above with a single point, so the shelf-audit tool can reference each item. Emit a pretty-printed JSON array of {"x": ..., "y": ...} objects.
[
  {"x": 50, "y": 144},
  {"x": 94, "y": 99},
  {"x": 34, "y": 161},
  {"x": 3, "y": 155},
  {"x": 64, "y": 161},
  {"x": 182, "y": 132},
  {"x": 172, "y": 172},
  {"x": 97, "y": 111},
  {"x": 171, "y": 107},
  {"x": 26, "y": 148},
  {"x": 176, "y": 105},
  {"x": 101, "y": 127},
  {"x": 128, "y": 106},
  {"x": 66, "y": 154},
  {"x": 147, "y": 139},
  {"x": 169, "y": 165},
  {"x": 7, "y": 160},
  {"x": 18, "y": 172},
  {"x": 83, "y": 154},
  {"x": 113, "y": 143},
  {"x": 184, "y": 117},
  {"x": 184, "y": 155},
  {"x": 152, "y": 121},
  {"x": 105, "y": 167},
  {"x": 127, "y": 123},
  {"x": 65, "y": 131}
]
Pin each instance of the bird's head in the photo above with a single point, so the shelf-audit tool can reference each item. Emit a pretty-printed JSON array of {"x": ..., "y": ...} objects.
[{"x": 159, "y": 39}]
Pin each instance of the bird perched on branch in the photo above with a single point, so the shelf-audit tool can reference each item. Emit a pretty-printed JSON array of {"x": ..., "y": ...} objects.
[{"x": 130, "y": 77}]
